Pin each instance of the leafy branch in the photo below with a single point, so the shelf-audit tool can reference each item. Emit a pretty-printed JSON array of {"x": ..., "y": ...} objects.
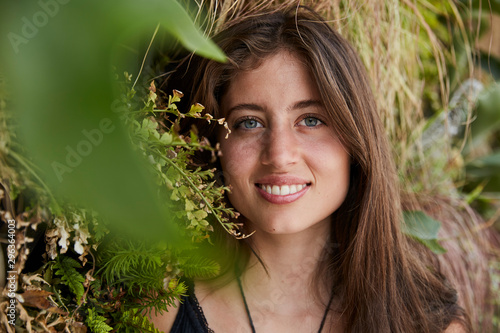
[{"x": 230, "y": 227}]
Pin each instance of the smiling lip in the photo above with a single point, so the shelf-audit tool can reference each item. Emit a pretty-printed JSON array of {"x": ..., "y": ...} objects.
[{"x": 282, "y": 189}]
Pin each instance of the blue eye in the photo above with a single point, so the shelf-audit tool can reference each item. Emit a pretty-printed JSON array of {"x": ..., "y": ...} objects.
[
  {"x": 249, "y": 123},
  {"x": 310, "y": 122}
]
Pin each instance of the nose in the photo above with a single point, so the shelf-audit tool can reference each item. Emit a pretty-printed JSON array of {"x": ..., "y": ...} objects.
[{"x": 280, "y": 148}]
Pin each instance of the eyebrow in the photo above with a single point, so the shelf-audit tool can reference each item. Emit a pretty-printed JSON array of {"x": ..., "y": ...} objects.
[
  {"x": 255, "y": 107},
  {"x": 245, "y": 106},
  {"x": 306, "y": 104}
]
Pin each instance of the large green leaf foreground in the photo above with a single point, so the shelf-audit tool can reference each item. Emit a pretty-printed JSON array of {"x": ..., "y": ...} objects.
[
  {"x": 423, "y": 228},
  {"x": 59, "y": 57}
]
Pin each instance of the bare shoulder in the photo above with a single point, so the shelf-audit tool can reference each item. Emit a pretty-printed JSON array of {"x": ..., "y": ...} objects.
[
  {"x": 165, "y": 320},
  {"x": 455, "y": 327}
]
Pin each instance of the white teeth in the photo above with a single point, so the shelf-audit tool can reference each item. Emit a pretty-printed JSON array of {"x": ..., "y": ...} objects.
[
  {"x": 276, "y": 190},
  {"x": 285, "y": 189},
  {"x": 282, "y": 190}
]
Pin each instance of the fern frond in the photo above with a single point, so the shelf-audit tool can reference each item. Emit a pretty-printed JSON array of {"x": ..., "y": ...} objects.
[
  {"x": 200, "y": 267},
  {"x": 97, "y": 323},
  {"x": 132, "y": 319},
  {"x": 142, "y": 279},
  {"x": 66, "y": 268},
  {"x": 161, "y": 300},
  {"x": 121, "y": 261}
]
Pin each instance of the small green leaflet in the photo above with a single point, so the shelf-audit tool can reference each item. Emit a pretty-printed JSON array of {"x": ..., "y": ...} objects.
[
  {"x": 97, "y": 323},
  {"x": 66, "y": 268},
  {"x": 422, "y": 228}
]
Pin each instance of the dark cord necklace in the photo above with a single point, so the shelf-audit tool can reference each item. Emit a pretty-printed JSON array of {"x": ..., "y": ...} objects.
[{"x": 250, "y": 317}]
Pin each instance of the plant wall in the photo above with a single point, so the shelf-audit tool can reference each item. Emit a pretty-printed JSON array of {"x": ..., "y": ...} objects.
[{"x": 104, "y": 207}]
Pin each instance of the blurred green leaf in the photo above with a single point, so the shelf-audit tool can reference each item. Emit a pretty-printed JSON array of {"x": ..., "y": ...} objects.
[
  {"x": 475, "y": 194},
  {"x": 422, "y": 228},
  {"x": 486, "y": 169},
  {"x": 58, "y": 56},
  {"x": 490, "y": 64},
  {"x": 179, "y": 24},
  {"x": 487, "y": 118},
  {"x": 491, "y": 162}
]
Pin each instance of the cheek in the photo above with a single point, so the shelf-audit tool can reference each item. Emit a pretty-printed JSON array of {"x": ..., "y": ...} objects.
[
  {"x": 237, "y": 159},
  {"x": 237, "y": 163},
  {"x": 332, "y": 164}
]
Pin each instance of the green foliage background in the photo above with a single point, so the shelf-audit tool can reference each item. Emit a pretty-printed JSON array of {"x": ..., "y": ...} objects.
[{"x": 128, "y": 220}]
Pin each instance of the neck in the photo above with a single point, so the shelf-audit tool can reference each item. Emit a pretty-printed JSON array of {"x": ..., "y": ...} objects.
[{"x": 291, "y": 262}]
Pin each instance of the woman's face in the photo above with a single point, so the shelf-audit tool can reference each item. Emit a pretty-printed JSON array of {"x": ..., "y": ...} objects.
[{"x": 286, "y": 167}]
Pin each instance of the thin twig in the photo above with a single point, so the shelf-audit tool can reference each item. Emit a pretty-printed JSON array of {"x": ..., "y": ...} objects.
[{"x": 146, "y": 55}]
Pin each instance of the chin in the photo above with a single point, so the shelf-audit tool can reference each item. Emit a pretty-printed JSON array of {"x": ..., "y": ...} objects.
[
  {"x": 289, "y": 226},
  {"x": 282, "y": 230}
]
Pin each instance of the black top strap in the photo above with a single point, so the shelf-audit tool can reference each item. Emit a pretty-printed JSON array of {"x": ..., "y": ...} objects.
[
  {"x": 246, "y": 305},
  {"x": 190, "y": 318}
]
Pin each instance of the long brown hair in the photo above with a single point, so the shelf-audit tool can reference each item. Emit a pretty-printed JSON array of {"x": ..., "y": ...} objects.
[{"x": 383, "y": 282}]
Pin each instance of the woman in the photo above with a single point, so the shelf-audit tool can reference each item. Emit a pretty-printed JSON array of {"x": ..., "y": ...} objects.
[{"x": 311, "y": 173}]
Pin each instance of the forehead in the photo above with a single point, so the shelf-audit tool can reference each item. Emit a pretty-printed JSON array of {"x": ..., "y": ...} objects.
[{"x": 283, "y": 76}]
